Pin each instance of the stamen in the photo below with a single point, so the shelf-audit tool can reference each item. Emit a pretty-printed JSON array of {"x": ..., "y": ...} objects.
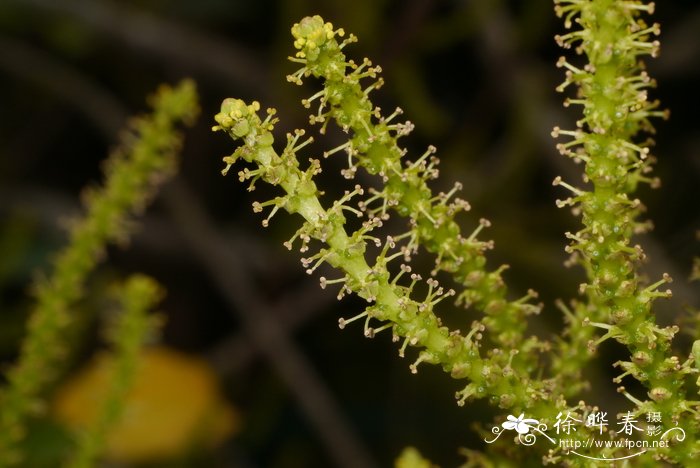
[{"x": 343, "y": 322}]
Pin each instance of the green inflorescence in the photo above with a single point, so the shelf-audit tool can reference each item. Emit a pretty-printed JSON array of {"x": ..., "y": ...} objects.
[
  {"x": 612, "y": 89},
  {"x": 147, "y": 158},
  {"x": 495, "y": 356},
  {"x": 374, "y": 146},
  {"x": 131, "y": 329}
]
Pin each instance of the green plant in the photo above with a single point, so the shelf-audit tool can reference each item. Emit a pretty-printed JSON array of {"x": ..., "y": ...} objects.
[
  {"x": 146, "y": 159},
  {"x": 519, "y": 373},
  {"x": 127, "y": 335}
]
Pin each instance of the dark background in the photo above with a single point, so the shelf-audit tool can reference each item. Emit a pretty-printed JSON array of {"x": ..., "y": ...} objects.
[{"x": 476, "y": 77}]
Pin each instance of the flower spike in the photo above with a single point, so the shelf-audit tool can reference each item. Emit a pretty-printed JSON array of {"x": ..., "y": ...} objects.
[{"x": 390, "y": 296}]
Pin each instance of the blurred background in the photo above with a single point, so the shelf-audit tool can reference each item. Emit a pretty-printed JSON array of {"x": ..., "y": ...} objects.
[{"x": 476, "y": 77}]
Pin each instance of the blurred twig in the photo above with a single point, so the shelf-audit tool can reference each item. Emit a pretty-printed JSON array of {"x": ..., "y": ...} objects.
[
  {"x": 164, "y": 37},
  {"x": 291, "y": 311},
  {"x": 42, "y": 70},
  {"x": 221, "y": 259}
]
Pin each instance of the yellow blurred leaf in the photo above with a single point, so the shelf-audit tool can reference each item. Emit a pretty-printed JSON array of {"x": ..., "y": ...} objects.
[
  {"x": 175, "y": 404},
  {"x": 411, "y": 458}
]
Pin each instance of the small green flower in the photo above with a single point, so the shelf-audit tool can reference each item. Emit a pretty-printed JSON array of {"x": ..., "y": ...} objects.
[{"x": 311, "y": 34}]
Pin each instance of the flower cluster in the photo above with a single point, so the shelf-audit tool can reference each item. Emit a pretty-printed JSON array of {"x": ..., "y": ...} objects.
[
  {"x": 373, "y": 145},
  {"x": 504, "y": 373},
  {"x": 495, "y": 356},
  {"x": 612, "y": 88},
  {"x": 390, "y": 296}
]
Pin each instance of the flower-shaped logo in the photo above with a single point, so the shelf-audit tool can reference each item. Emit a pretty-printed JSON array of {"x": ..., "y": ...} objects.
[{"x": 520, "y": 424}]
